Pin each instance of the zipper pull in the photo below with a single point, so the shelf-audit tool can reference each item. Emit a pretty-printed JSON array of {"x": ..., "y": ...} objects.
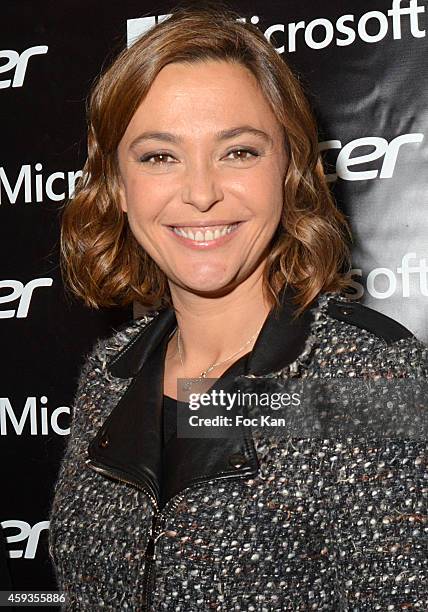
[
  {"x": 150, "y": 548},
  {"x": 150, "y": 553},
  {"x": 149, "y": 556}
]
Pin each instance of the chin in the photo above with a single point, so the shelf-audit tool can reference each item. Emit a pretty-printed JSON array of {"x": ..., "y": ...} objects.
[{"x": 208, "y": 287}]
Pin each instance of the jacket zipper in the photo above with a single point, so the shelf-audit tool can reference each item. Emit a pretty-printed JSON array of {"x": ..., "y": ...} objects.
[
  {"x": 150, "y": 555},
  {"x": 150, "y": 552}
]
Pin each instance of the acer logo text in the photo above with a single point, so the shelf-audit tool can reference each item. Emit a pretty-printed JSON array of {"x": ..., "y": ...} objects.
[
  {"x": 27, "y": 534},
  {"x": 22, "y": 292},
  {"x": 18, "y": 63}
]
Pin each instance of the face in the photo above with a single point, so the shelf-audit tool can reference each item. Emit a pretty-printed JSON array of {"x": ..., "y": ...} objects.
[{"x": 202, "y": 165}]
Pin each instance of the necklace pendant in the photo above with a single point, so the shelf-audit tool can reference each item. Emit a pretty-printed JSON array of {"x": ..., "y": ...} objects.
[
  {"x": 187, "y": 385},
  {"x": 189, "y": 382}
]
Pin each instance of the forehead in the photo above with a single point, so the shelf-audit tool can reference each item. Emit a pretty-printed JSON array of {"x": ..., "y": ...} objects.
[
  {"x": 202, "y": 75},
  {"x": 201, "y": 95}
]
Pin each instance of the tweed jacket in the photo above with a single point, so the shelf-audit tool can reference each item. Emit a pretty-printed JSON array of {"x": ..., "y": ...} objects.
[{"x": 248, "y": 522}]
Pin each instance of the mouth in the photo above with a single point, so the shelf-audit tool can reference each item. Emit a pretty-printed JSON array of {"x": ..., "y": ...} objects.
[{"x": 205, "y": 236}]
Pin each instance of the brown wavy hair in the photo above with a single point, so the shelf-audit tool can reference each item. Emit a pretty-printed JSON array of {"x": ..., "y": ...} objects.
[{"x": 101, "y": 260}]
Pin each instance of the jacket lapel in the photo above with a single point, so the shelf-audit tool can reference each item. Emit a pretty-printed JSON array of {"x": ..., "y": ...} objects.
[{"x": 129, "y": 444}]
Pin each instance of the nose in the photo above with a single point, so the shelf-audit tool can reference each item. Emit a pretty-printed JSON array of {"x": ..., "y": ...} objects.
[{"x": 201, "y": 187}]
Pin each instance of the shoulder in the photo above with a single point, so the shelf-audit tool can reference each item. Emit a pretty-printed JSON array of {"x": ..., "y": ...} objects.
[
  {"x": 364, "y": 318},
  {"x": 123, "y": 337},
  {"x": 97, "y": 390},
  {"x": 356, "y": 340},
  {"x": 96, "y": 363}
]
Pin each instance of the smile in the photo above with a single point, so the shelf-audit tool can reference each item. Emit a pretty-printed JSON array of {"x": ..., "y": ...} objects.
[
  {"x": 213, "y": 235},
  {"x": 204, "y": 235}
]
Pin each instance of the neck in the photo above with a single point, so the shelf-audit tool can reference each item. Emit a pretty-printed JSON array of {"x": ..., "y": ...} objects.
[{"x": 212, "y": 329}]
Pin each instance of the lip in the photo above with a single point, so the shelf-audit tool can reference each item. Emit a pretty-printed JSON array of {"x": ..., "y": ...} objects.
[
  {"x": 205, "y": 223},
  {"x": 211, "y": 244}
]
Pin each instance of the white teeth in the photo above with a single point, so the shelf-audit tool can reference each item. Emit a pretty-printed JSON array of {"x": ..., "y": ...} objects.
[{"x": 204, "y": 236}]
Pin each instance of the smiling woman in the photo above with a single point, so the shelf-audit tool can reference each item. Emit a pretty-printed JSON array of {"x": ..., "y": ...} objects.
[
  {"x": 204, "y": 196},
  {"x": 177, "y": 114}
]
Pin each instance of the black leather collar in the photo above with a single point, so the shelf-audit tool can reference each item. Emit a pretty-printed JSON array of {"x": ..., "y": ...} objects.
[
  {"x": 280, "y": 341},
  {"x": 128, "y": 446}
]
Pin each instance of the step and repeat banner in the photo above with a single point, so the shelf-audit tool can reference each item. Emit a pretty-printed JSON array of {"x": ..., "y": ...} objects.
[{"x": 365, "y": 67}]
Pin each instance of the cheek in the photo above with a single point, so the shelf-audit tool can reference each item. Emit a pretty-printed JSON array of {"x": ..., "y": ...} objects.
[
  {"x": 143, "y": 202},
  {"x": 139, "y": 222},
  {"x": 268, "y": 202},
  {"x": 266, "y": 188}
]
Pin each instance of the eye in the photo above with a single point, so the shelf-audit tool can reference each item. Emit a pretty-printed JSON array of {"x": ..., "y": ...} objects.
[
  {"x": 159, "y": 159},
  {"x": 243, "y": 155},
  {"x": 162, "y": 158}
]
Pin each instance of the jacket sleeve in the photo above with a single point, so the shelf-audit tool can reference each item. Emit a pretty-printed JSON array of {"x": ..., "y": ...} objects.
[
  {"x": 379, "y": 527},
  {"x": 94, "y": 399},
  {"x": 406, "y": 358},
  {"x": 82, "y": 418}
]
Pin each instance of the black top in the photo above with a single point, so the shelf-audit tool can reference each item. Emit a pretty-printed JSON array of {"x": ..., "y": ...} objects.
[
  {"x": 169, "y": 417},
  {"x": 170, "y": 404}
]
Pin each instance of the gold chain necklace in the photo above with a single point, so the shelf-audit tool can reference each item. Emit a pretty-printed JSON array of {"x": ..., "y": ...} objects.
[{"x": 204, "y": 373}]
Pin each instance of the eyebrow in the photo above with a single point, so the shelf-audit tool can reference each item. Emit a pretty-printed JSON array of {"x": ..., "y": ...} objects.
[{"x": 222, "y": 135}]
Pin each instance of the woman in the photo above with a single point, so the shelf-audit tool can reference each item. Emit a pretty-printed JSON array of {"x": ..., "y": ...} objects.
[{"x": 204, "y": 196}]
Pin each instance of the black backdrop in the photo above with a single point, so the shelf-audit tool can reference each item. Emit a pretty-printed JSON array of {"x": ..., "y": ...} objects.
[{"x": 365, "y": 66}]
